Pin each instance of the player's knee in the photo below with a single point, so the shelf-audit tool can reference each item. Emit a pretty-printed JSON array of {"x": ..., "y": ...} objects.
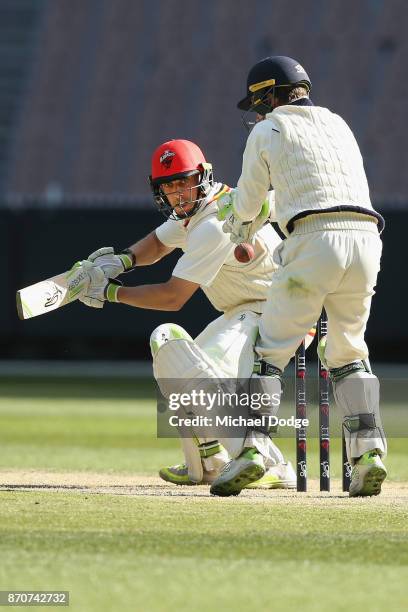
[{"x": 166, "y": 333}]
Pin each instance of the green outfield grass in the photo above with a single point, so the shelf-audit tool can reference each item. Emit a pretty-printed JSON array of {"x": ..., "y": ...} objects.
[{"x": 145, "y": 552}]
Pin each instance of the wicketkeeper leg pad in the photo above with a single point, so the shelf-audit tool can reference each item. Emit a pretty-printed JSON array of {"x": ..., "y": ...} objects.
[
  {"x": 265, "y": 384},
  {"x": 357, "y": 396}
]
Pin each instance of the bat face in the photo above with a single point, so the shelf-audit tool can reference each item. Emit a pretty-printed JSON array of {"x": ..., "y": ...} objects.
[{"x": 52, "y": 293}]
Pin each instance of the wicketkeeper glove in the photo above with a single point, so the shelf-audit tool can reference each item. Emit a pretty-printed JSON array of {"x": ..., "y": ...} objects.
[
  {"x": 241, "y": 231},
  {"x": 100, "y": 289},
  {"x": 113, "y": 264}
]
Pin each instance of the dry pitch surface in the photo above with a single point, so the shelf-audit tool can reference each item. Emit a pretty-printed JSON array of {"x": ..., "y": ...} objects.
[{"x": 393, "y": 493}]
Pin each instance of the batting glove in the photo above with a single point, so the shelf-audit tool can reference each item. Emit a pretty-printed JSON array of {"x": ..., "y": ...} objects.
[
  {"x": 112, "y": 264},
  {"x": 240, "y": 231},
  {"x": 100, "y": 289},
  {"x": 78, "y": 281}
]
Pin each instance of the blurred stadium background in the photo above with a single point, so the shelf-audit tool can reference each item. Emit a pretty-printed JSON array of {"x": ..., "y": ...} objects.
[{"x": 88, "y": 88}]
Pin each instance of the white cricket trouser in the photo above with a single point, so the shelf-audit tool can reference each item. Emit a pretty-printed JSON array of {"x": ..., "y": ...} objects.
[
  {"x": 335, "y": 268},
  {"x": 331, "y": 268},
  {"x": 229, "y": 343}
]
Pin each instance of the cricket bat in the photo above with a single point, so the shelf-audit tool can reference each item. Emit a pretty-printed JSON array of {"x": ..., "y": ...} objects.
[{"x": 52, "y": 293}]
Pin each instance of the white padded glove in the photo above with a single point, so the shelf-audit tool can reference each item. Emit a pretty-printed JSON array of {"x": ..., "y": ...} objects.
[
  {"x": 241, "y": 231},
  {"x": 100, "y": 289},
  {"x": 112, "y": 264}
]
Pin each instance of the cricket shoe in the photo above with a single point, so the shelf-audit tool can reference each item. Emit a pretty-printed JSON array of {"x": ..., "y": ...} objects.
[
  {"x": 178, "y": 474},
  {"x": 367, "y": 475},
  {"x": 279, "y": 476},
  {"x": 238, "y": 473}
]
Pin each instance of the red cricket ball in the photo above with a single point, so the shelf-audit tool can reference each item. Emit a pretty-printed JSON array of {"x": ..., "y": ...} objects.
[{"x": 244, "y": 252}]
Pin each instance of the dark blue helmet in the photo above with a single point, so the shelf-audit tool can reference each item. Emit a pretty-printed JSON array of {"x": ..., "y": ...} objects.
[{"x": 275, "y": 71}]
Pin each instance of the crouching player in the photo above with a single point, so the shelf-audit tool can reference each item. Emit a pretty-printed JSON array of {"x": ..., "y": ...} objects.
[{"x": 185, "y": 192}]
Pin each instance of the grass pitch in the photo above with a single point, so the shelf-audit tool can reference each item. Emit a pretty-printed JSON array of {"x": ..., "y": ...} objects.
[{"x": 82, "y": 510}]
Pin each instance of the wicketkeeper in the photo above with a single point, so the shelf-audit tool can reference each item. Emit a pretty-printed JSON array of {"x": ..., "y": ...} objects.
[
  {"x": 185, "y": 192},
  {"x": 330, "y": 258}
]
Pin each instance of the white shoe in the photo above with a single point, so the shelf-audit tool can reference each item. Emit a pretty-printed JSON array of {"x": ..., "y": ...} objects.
[
  {"x": 238, "y": 473},
  {"x": 178, "y": 475},
  {"x": 212, "y": 466},
  {"x": 279, "y": 476},
  {"x": 367, "y": 475}
]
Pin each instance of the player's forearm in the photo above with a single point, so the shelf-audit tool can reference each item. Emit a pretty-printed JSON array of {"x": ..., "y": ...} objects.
[
  {"x": 254, "y": 182},
  {"x": 151, "y": 297},
  {"x": 149, "y": 250},
  {"x": 247, "y": 205}
]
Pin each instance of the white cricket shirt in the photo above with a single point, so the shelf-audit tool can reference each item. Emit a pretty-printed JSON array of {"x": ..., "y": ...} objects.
[
  {"x": 310, "y": 157},
  {"x": 209, "y": 261}
]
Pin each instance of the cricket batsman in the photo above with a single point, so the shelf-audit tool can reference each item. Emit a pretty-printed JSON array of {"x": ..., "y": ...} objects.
[
  {"x": 185, "y": 192},
  {"x": 330, "y": 258}
]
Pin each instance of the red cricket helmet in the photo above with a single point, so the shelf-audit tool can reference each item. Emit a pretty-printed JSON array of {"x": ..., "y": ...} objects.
[{"x": 174, "y": 160}]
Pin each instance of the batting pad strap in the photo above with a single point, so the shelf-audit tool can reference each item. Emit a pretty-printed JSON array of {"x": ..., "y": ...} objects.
[
  {"x": 111, "y": 290},
  {"x": 360, "y": 422},
  {"x": 339, "y": 373},
  {"x": 208, "y": 449},
  {"x": 266, "y": 369}
]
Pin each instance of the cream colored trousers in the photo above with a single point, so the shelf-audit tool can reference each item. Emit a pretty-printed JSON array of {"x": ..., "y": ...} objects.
[{"x": 329, "y": 261}]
